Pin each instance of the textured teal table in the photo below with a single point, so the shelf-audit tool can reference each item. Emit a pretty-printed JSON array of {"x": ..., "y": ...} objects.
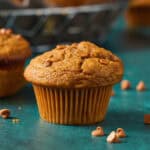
[{"x": 125, "y": 109}]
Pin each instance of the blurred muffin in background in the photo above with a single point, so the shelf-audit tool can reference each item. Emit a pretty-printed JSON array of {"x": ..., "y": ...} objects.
[
  {"x": 20, "y": 3},
  {"x": 62, "y": 2},
  {"x": 73, "y": 2},
  {"x": 14, "y": 50},
  {"x": 72, "y": 81},
  {"x": 26, "y": 3},
  {"x": 96, "y": 1},
  {"x": 138, "y": 13}
]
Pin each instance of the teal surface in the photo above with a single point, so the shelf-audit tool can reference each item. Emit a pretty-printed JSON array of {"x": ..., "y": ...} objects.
[{"x": 126, "y": 108}]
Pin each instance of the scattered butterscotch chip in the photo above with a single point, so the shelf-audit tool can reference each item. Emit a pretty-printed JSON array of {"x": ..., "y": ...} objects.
[
  {"x": 147, "y": 118},
  {"x": 15, "y": 120},
  {"x": 140, "y": 86},
  {"x": 112, "y": 138},
  {"x": 120, "y": 133},
  {"x": 98, "y": 132},
  {"x": 5, "y": 113},
  {"x": 125, "y": 84},
  {"x": 112, "y": 93}
]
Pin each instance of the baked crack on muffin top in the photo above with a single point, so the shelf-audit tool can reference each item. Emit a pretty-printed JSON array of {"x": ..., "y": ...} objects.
[{"x": 77, "y": 65}]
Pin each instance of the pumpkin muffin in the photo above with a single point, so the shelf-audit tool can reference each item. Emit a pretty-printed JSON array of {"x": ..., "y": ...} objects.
[
  {"x": 90, "y": 2},
  {"x": 73, "y": 83},
  {"x": 62, "y": 3},
  {"x": 14, "y": 50},
  {"x": 138, "y": 13},
  {"x": 73, "y": 2}
]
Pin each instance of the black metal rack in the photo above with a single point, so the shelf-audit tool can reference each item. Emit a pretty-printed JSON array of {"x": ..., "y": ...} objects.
[{"x": 42, "y": 26}]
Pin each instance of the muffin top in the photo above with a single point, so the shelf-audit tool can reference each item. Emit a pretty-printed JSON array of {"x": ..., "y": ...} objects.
[
  {"x": 77, "y": 65},
  {"x": 13, "y": 46}
]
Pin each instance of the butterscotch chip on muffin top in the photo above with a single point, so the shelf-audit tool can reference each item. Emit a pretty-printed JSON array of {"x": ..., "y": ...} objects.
[
  {"x": 77, "y": 65},
  {"x": 13, "y": 47}
]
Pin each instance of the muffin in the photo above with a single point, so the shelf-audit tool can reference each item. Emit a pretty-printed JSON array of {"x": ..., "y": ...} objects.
[
  {"x": 138, "y": 13},
  {"x": 20, "y": 3},
  {"x": 73, "y": 2},
  {"x": 73, "y": 83},
  {"x": 62, "y": 3},
  {"x": 88, "y": 2},
  {"x": 14, "y": 50}
]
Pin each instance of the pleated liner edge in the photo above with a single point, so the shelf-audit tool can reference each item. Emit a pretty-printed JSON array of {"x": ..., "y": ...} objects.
[{"x": 72, "y": 106}]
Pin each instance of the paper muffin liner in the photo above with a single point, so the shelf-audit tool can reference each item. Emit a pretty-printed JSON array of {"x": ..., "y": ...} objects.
[
  {"x": 12, "y": 65},
  {"x": 11, "y": 79},
  {"x": 76, "y": 106}
]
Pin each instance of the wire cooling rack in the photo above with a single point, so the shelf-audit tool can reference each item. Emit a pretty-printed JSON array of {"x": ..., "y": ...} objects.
[{"x": 49, "y": 26}]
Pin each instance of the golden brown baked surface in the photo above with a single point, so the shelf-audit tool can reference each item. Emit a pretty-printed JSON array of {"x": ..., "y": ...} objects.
[
  {"x": 78, "y": 65},
  {"x": 13, "y": 46}
]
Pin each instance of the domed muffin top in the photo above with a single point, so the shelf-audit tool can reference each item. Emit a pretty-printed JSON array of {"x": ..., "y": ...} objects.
[
  {"x": 75, "y": 66},
  {"x": 13, "y": 46}
]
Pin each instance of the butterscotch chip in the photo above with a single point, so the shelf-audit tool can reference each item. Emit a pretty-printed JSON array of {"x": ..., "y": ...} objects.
[
  {"x": 125, "y": 84},
  {"x": 120, "y": 133},
  {"x": 81, "y": 64},
  {"x": 2, "y": 31},
  {"x": 112, "y": 138},
  {"x": 147, "y": 118},
  {"x": 5, "y": 113},
  {"x": 98, "y": 132},
  {"x": 140, "y": 86}
]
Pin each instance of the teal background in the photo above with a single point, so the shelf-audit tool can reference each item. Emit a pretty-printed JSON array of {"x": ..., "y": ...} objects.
[{"x": 126, "y": 108}]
